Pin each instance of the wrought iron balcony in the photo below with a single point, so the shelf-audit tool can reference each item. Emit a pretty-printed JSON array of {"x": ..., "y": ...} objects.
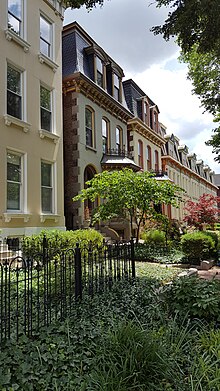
[{"x": 119, "y": 152}]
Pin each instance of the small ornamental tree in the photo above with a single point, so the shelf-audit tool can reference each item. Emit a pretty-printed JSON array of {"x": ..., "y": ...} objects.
[
  {"x": 203, "y": 212},
  {"x": 128, "y": 194}
]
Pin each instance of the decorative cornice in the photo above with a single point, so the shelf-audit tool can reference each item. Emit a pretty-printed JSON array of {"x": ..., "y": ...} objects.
[
  {"x": 187, "y": 170},
  {"x": 81, "y": 84},
  {"x": 136, "y": 125}
]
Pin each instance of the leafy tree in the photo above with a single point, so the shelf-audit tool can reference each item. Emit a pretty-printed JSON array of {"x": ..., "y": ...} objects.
[
  {"x": 196, "y": 24},
  {"x": 192, "y": 22},
  {"x": 204, "y": 71},
  {"x": 125, "y": 193},
  {"x": 79, "y": 3},
  {"x": 203, "y": 212}
]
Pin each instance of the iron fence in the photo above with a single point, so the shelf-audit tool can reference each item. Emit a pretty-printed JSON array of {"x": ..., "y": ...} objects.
[{"x": 37, "y": 290}]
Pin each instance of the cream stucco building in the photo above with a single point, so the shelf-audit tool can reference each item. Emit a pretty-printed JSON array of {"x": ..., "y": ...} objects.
[
  {"x": 31, "y": 147},
  {"x": 186, "y": 171}
]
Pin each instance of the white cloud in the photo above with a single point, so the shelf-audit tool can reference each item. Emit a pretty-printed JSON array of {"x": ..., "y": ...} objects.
[{"x": 180, "y": 111}]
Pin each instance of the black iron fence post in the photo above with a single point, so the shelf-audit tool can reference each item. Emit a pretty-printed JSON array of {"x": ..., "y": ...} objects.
[
  {"x": 132, "y": 258},
  {"x": 44, "y": 249},
  {"x": 78, "y": 273}
]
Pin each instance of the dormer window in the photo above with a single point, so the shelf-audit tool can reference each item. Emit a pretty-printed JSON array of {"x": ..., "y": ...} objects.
[
  {"x": 116, "y": 91},
  {"x": 99, "y": 72},
  {"x": 154, "y": 119},
  {"x": 145, "y": 113}
]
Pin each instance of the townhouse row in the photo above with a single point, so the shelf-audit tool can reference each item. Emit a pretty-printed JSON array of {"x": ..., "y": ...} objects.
[{"x": 51, "y": 145}]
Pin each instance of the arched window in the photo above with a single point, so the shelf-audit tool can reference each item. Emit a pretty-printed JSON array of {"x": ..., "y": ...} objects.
[
  {"x": 89, "y": 126},
  {"x": 156, "y": 160},
  {"x": 140, "y": 154},
  {"x": 119, "y": 139},
  {"x": 105, "y": 135},
  {"x": 149, "y": 158}
]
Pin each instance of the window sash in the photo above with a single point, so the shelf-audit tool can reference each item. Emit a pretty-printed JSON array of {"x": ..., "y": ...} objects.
[
  {"x": 46, "y": 118},
  {"x": 45, "y": 109},
  {"x": 45, "y": 37},
  {"x": 99, "y": 71},
  {"x": 14, "y": 105},
  {"x": 104, "y": 135},
  {"x": 46, "y": 188},
  {"x": 15, "y": 16},
  {"x": 14, "y": 182},
  {"x": 89, "y": 140},
  {"x": 89, "y": 127}
]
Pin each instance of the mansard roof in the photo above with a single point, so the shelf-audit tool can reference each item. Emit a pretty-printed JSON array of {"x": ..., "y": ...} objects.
[
  {"x": 77, "y": 46},
  {"x": 133, "y": 93}
]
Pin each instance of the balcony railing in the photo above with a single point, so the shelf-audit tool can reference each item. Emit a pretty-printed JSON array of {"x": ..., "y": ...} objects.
[
  {"x": 159, "y": 173},
  {"x": 119, "y": 153}
]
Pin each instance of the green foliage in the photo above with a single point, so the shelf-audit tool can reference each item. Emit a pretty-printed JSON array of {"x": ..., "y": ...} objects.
[
  {"x": 156, "y": 272},
  {"x": 125, "y": 193},
  {"x": 61, "y": 240},
  {"x": 197, "y": 246},
  {"x": 204, "y": 71},
  {"x": 131, "y": 358},
  {"x": 196, "y": 297},
  {"x": 154, "y": 237},
  {"x": 215, "y": 238},
  {"x": 196, "y": 24},
  {"x": 155, "y": 253},
  {"x": 121, "y": 340},
  {"x": 192, "y": 22},
  {"x": 79, "y": 3}
]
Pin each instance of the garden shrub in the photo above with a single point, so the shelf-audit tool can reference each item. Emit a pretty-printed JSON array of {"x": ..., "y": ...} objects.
[
  {"x": 197, "y": 246},
  {"x": 154, "y": 237},
  {"x": 215, "y": 237},
  {"x": 193, "y": 296},
  {"x": 61, "y": 240}
]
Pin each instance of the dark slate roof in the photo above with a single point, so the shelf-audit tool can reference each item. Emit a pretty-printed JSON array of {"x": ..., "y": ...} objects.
[
  {"x": 74, "y": 55},
  {"x": 133, "y": 93},
  {"x": 74, "y": 58}
]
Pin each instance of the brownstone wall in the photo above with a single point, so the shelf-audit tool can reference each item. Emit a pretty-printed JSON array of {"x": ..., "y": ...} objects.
[{"x": 71, "y": 159}]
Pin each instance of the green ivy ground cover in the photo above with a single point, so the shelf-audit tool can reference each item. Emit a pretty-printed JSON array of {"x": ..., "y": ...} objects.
[{"x": 127, "y": 339}]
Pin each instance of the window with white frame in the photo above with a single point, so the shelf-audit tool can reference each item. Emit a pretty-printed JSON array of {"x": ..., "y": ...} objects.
[
  {"x": 46, "y": 37},
  {"x": 99, "y": 70},
  {"x": 15, "y": 16},
  {"x": 105, "y": 135},
  {"x": 47, "y": 187},
  {"x": 46, "y": 109},
  {"x": 140, "y": 154},
  {"x": 118, "y": 139},
  {"x": 89, "y": 126},
  {"x": 14, "y": 181},
  {"x": 116, "y": 82},
  {"x": 14, "y": 92}
]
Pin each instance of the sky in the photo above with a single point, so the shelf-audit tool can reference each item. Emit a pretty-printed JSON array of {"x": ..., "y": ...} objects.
[{"x": 122, "y": 29}]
